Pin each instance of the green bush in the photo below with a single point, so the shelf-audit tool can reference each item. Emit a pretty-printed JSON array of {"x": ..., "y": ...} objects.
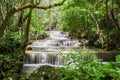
[
  {"x": 11, "y": 56},
  {"x": 11, "y": 42},
  {"x": 85, "y": 66},
  {"x": 117, "y": 58}
]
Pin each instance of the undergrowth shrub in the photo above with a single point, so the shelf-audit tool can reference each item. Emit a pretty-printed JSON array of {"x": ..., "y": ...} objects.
[
  {"x": 11, "y": 45},
  {"x": 11, "y": 42},
  {"x": 85, "y": 66}
]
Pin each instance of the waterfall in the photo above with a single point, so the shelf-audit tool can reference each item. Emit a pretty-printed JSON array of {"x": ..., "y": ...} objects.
[
  {"x": 46, "y": 51},
  {"x": 43, "y": 58}
]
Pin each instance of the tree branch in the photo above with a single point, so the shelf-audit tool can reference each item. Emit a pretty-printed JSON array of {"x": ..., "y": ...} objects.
[
  {"x": 20, "y": 8},
  {"x": 38, "y": 6}
]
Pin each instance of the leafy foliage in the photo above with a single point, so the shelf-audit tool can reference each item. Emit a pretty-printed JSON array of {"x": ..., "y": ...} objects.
[
  {"x": 11, "y": 42},
  {"x": 84, "y": 19},
  {"x": 118, "y": 58},
  {"x": 85, "y": 66},
  {"x": 11, "y": 54}
]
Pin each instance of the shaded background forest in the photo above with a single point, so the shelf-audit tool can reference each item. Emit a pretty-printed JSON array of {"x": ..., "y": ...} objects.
[{"x": 97, "y": 20}]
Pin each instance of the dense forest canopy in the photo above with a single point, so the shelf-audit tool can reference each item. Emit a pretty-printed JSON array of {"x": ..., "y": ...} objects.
[{"x": 97, "y": 18}]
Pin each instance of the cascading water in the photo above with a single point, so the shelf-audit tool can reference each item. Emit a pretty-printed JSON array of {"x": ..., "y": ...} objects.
[
  {"x": 46, "y": 52},
  {"x": 43, "y": 58}
]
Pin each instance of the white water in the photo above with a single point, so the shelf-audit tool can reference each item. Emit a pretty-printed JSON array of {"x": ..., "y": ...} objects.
[{"x": 48, "y": 50}]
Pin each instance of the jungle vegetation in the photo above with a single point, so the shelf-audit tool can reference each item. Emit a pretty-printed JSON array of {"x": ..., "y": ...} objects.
[{"x": 22, "y": 21}]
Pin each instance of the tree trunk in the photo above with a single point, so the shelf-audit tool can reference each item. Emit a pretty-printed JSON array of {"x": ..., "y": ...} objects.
[
  {"x": 107, "y": 22},
  {"x": 115, "y": 20},
  {"x": 1, "y": 14},
  {"x": 26, "y": 32},
  {"x": 20, "y": 8},
  {"x": 3, "y": 25}
]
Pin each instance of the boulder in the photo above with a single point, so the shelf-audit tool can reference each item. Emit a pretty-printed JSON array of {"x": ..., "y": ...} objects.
[{"x": 46, "y": 72}]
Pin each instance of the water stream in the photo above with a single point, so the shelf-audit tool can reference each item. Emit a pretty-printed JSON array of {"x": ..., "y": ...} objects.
[{"x": 46, "y": 51}]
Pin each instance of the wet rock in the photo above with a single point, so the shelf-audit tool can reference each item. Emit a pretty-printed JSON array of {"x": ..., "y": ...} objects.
[
  {"x": 84, "y": 41},
  {"x": 42, "y": 35},
  {"x": 46, "y": 72},
  {"x": 29, "y": 48}
]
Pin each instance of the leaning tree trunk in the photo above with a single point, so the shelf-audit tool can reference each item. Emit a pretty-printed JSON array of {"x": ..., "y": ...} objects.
[
  {"x": 20, "y": 8},
  {"x": 98, "y": 30}
]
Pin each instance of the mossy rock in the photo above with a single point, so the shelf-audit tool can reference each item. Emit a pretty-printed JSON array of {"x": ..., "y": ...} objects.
[{"x": 46, "y": 72}]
